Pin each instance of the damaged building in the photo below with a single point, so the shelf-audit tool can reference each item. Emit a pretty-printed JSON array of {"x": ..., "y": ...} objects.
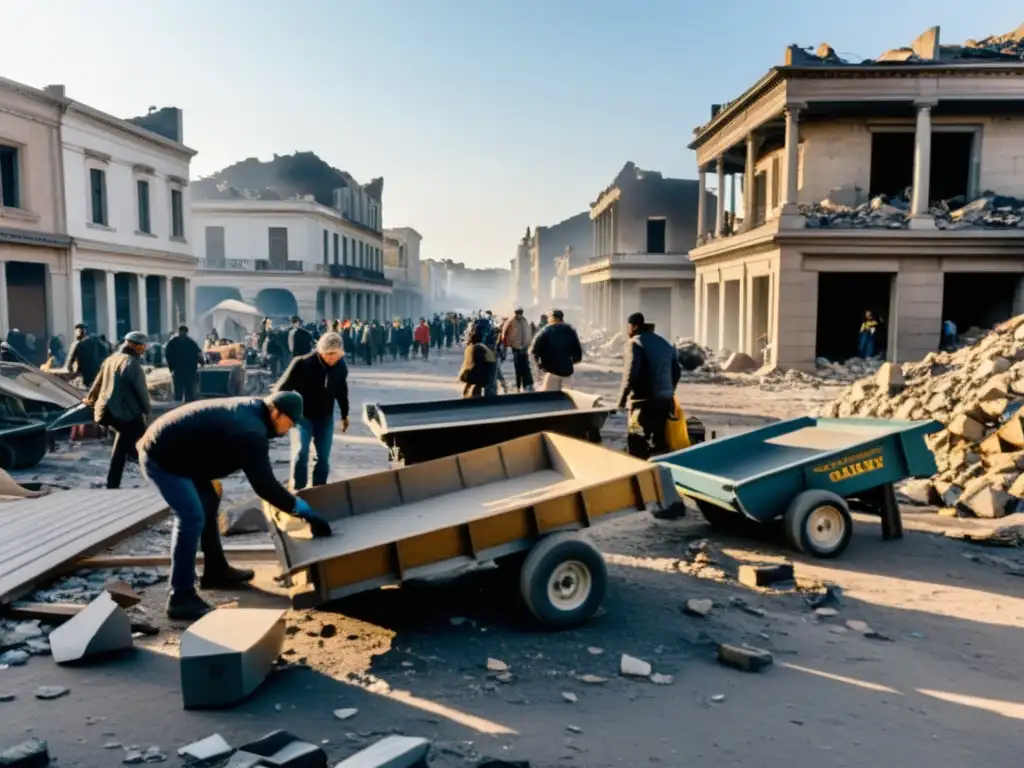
[
  {"x": 643, "y": 226},
  {"x": 543, "y": 257},
  {"x": 894, "y": 185}
]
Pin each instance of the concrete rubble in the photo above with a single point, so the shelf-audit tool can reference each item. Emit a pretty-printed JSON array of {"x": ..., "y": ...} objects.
[
  {"x": 103, "y": 627},
  {"x": 977, "y": 393},
  {"x": 989, "y": 211}
]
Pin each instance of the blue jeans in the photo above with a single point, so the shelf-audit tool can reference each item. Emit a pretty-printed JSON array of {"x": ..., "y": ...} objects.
[
  {"x": 320, "y": 432},
  {"x": 182, "y": 497},
  {"x": 866, "y": 344}
]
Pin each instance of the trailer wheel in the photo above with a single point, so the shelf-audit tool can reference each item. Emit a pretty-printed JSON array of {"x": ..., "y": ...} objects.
[
  {"x": 8, "y": 458},
  {"x": 818, "y": 523},
  {"x": 719, "y": 518},
  {"x": 563, "y": 580}
]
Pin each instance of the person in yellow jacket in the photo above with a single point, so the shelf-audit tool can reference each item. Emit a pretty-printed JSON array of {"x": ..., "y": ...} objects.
[{"x": 866, "y": 338}]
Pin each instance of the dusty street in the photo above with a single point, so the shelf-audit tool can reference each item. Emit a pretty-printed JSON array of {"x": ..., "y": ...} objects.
[{"x": 932, "y": 676}]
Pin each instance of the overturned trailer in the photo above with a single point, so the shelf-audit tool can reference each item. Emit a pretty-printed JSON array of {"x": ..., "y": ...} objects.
[{"x": 30, "y": 400}]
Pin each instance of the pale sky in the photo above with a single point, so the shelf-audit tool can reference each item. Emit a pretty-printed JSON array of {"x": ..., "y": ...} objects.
[{"x": 483, "y": 116}]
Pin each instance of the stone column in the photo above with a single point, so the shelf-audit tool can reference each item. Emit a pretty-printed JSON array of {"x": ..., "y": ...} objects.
[
  {"x": 167, "y": 305},
  {"x": 593, "y": 232},
  {"x": 190, "y": 303},
  {"x": 789, "y": 215},
  {"x": 748, "y": 183},
  {"x": 5, "y": 307},
  {"x": 612, "y": 240},
  {"x": 720, "y": 198},
  {"x": 111, "y": 308},
  {"x": 920, "y": 218},
  {"x": 141, "y": 307},
  {"x": 76, "y": 297},
  {"x": 701, "y": 215}
]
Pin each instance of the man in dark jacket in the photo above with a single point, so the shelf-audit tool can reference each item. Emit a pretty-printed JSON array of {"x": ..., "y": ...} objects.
[
  {"x": 649, "y": 381},
  {"x": 321, "y": 377},
  {"x": 556, "y": 349},
  {"x": 183, "y": 358},
  {"x": 300, "y": 341},
  {"x": 119, "y": 398},
  {"x": 184, "y": 451},
  {"x": 86, "y": 355}
]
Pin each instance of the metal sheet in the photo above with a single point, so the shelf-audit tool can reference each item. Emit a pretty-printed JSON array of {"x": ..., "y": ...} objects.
[{"x": 38, "y": 537}]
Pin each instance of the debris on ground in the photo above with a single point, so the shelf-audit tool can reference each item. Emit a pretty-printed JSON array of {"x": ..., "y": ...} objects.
[
  {"x": 630, "y": 666},
  {"x": 103, "y": 627},
  {"x": 50, "y": 692},
  {"x": 392, "y": 751},
  {"x": 207, "y": 750},
  {"x": 765, "y": 575},
  {"x": 977, "y": 394},
  {"x": 496, "y": 665},
  {"x": 33, "y": 753},
  {"x": 742, "y": 657},
  {"x": 570, "y": 697},
  {"x": 699, "y": 606}
]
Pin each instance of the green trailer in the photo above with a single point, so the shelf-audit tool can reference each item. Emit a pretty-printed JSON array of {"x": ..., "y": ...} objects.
[{"x": 803, "y": 471}]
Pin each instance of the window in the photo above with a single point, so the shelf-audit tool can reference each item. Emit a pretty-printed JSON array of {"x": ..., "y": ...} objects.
[
  {"x": 215, "y": 254},
  {"x": 760, "y": 198},
  {"x": 177, "y": 215},
  {"x": 336, "y": 247},
  {"x": 9, "y": 182},
  {"x": 344, "y": 250},
  {"x": 360, "y": 262},
  {"x": 142, "y": 191},
  {"x": 656, "y": 235},
  {"x": 278, "y": 245},
  {"x": 98, "y": 195},
  {"x": 327, "y": 251}
]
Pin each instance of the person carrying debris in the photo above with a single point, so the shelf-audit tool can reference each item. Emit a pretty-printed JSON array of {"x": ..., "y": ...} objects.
[
  {"x": 183, "y": 358},
  {"x": 866, "y": 338},
  {"x": 184, "y": 451},
  {"x": 649, "y": 379},
  {"x": 321, "y": 377},
  {"x": 556, "y": 348},
  {"x": 86, "y": 355},
  {"x": 119, "y": 398},
  {"x": 517, "y": 335}
]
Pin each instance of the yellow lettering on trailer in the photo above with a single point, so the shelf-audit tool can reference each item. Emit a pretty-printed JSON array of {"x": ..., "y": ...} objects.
[{"x": 858, "y": 468}]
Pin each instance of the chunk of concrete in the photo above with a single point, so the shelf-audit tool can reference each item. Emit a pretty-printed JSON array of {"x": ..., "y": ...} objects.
[
  {"x": 889, "y": 378},
  {"x": 211, "y": 748},
  {"x": 279, "y": 749},
  {"x": 699, "y": 606},
  {"x": 103, "y": 627},
  {"x": 1012, "y": 432},
  {"x": 747, "y": 659},
  {"x": 966, "y": 427},
  {"x": 33, "y": 753},
  {"x": 391, "y": 752},
  {"x": 987, "y": 502},
  {"x": 122, "y": 593},
  {"x": 226, "y": 655},
  {"x": 765, "y": 575},
  {"x": 739, "y": 362},
  {"x": 634, "y": 667}
]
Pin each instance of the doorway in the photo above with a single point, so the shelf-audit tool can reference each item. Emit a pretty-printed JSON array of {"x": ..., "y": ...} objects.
[{"x": 843, "y": 298}]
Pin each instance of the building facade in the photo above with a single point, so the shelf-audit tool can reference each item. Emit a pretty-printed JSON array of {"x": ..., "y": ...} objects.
[
  {"x": 879, "y": 186},
  {"x": 521, "y": 274},
  {"x": 643, "y": 228},
  {"x": 402, "y": 267},
  {"x": 35, "y": 292},
  {"x": 126, "y": 192},
  {"x": 547, "y": 248},
  {"x": 292, "y": 257}
]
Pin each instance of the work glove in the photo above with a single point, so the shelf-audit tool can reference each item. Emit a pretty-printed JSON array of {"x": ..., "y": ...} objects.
[{"x": 319, "y": 527}]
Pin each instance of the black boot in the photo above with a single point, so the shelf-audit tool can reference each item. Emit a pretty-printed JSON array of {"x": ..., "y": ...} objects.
[
  {"x": 187, "y": 606},
  {"x": 225, "y": 577}
]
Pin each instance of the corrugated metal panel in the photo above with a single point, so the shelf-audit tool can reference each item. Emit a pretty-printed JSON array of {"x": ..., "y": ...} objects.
[{"x": 39, "y": 536}]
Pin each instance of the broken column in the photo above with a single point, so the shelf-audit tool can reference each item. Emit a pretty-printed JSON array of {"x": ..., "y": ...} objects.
[
  {"x": 103, "y": 627},
  {"x": 920, "y": 215}
]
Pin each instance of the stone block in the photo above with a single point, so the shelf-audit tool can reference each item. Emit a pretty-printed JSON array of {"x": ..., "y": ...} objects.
[
  {"x": 207, "y": 750},
  {"x": 739, "y": 362},
  {"x": 391, "y": 752},
  {"x": 986, "y": 502},
  {"x": 992, "y": 410},
  {"x": 765, "y": 575},
  {"x": 122, "y": 593},
  {"x": 1012, "y": 432},
  {"x": 741, "y": 657},
  {"x": 966, "y": 427},
  {"x": 991, "y": 445},
  {"x": 1016, "y": 489},
  {"x": 103, "y": 627},
  {"x": 33, "y": 753},
  {"x": 278, "y": 749},
  {"x": 996, "y": 388},
  {"x": 889, "y": 378},
  {"x": 226, "y": 655}
]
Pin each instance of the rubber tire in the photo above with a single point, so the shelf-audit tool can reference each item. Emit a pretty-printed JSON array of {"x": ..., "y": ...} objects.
[
  {"x": 29, "y": 450},
  {"x": 7, "y": 456},
  {"x": 795, "y": 522},
  {"x": 719, "y": 518},
  {"x": 540, "y": 563}
]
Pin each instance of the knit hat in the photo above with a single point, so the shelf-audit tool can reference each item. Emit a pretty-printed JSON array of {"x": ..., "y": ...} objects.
[{"x": 288, "y": 403}]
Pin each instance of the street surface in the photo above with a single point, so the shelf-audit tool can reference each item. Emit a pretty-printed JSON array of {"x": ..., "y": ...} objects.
[{"x": 937, "y": 681}]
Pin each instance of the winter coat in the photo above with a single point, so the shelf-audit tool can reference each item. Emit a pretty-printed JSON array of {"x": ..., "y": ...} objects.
[
  {"x": 474, "y": 365},
  {"x": 211, "y": 439},
  {"x": 651, "y": 370},
  {"x": 320, "y": 385},
  {"x": 85, "y": 358},
  {"x": 516, "y": 333},
  {"x": 300, "y": 341},
  {"x": 120, "y": 389},
  {"x": 422, "y": 333},
  {"x": 557, "y": 349},
  {"x": 182, "y": 355}
]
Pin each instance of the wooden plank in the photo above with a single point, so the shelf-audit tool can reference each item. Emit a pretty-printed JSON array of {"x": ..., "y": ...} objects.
[
  {"x": 58, "y": 613},
  {"x": 242, "y": 553},
  {"x": 39, "y": 536}
]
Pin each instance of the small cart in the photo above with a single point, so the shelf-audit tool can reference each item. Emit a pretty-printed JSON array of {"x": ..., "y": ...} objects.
[
  {"x": 804, "y": 471},
  {"x": 518, "y": 503},
  {"x": 417, "y": 432}
]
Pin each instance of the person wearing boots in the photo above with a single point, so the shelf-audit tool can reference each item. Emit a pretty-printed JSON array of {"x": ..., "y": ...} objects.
[
  {"x": 184, "y": 451},
  {"x": 649, "y": 379},
  {"x": 183, "y": 358},
  {"x": 119, "y": 398}
]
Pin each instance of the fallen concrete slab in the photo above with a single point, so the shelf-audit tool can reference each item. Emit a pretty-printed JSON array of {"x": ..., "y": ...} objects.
[
  {"x": 33, "y": 753},
  {"x": 227, "y": 654},
  {"x": 391, "y": 752},
  {"x": 207, "y": 750},
  {"x": 279, "y": 749},
  {"x": 103, "y": 627}
]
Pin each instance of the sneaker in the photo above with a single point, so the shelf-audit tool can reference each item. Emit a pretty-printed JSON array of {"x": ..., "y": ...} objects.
[
  {"x": 188, "y": 606},
  {"x": 226, "y": 578}
]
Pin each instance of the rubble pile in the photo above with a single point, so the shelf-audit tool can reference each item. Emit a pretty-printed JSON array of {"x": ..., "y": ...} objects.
[
  {"x": 977, "y": 393},
  {"x": 990, "y": 211},
  {"x": 854, "y": 369}
]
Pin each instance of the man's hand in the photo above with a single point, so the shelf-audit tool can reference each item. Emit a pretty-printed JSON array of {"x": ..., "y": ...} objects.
[
  {"x": 319, "y": 527},
  {"x": 344, "y": 424}
]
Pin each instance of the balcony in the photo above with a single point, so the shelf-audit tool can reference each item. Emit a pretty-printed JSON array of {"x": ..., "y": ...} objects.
[
  {"x": 632, "y": 261},
  {"x": 251, "y": 265},
  {"x": 349, "y": 272}
]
